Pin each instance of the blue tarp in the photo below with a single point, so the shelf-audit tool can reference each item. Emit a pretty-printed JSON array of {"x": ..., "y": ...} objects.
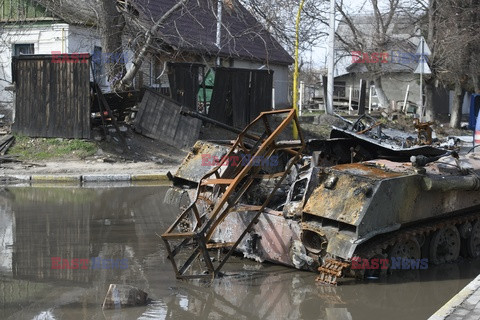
[
  {"x": 477, "y": 131},
  {"x": 474, "y": 108}
]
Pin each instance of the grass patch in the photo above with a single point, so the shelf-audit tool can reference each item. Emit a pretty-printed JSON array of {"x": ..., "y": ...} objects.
[{"x": 26, "y": 148}]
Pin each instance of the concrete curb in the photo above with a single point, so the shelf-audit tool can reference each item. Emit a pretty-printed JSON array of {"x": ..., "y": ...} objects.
[
  {"x": 53, "y": 178},
  {"x": 60, "y": 178},
  {"x": 106, "y": 177},
  {"x": 149, "y": 177},
  {"x": 449, "y": 307}
]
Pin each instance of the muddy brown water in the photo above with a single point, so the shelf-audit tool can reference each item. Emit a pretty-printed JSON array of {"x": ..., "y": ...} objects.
[{"x": 38, "y": 223}]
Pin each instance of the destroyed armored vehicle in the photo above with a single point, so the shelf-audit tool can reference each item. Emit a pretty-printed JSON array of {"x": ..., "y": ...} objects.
[{"x": 322, "y": 204}]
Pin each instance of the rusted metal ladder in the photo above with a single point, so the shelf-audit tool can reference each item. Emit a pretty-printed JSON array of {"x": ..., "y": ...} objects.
[{"x": 189, "y": 238}]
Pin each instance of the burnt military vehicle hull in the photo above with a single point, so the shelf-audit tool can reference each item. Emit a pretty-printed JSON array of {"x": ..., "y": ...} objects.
[{"x": 352, "y": 198}]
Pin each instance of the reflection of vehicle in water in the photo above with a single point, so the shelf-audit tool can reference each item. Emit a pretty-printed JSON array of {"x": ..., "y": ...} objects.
[
  {"x": 360, "y": 194},
  {"x": 277, "y": 293}
]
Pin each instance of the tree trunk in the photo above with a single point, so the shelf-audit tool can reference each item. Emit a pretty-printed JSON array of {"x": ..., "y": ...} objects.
[
  {"x": 382, "y": 97},
  {"x": 456, "y": 115},
  {"x": 142, "y": 52},
  {"x": 112, "y": 24},
  {"x": 432, "y": 11},
  {"x": 429, "y": 107},
  {"x": 430, "y": 113},
  {"x": 476, "y": 83}
]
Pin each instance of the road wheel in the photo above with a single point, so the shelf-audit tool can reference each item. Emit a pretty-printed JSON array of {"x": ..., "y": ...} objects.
[
  {"x": 445, "y": 245},
  {"x": 473, "y": 242}
]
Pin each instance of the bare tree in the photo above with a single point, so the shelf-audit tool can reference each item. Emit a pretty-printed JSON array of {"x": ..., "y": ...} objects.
[
  {"x": 141, "y": 52},
  {"x": 452, "y": 34},
  {"x": 112, "y": 24},
  {"x": 425, "y": 14},
  {"x": 278, "y": 17},
  {"x": 376, "y": 36},
  {"x": 458, "y": 39}
]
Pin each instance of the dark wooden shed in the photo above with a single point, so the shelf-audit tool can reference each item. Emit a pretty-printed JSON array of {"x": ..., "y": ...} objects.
[
  {"x": 52, "y": 95},
  {"x": 240, "y": 95}
]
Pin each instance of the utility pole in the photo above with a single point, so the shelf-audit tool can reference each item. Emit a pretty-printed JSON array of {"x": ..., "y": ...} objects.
[
  {"x": 295, "y": 69},
  {"x": 219, "y": 28},
  {"x": 331, "y": 58}
]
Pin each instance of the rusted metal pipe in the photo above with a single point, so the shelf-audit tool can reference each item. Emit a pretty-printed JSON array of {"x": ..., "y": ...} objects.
[
  {"x": 219, "y": 124},
  {"x": 464, "y": 183}
]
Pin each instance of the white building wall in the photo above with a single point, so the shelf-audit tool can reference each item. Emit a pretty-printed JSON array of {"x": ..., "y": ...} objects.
[
  {"x": 83, "y": 40},
  {"x": 281, "y": 82},
  {"x": 45, "y": 39}
]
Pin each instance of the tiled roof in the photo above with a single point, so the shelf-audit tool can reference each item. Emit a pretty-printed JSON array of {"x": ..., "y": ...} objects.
[{"x": 193, "y": 29}]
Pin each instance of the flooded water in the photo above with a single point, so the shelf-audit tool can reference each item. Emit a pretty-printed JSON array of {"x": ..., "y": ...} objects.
[{"x": 38, "y": 224}]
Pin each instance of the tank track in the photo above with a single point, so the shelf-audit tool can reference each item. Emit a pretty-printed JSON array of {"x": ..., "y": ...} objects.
[{"x": 332, "y": 269}]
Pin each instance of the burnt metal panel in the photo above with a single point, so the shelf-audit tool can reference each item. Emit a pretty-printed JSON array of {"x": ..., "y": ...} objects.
[
  {"x": 52, "y": 98},
  {"x": 380, "y": 150},
  {"x": 193, "y": 168},
  {"x": 159, "y": 118}
]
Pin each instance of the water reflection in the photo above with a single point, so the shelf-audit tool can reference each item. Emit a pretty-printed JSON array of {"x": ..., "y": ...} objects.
[
  {"x": 278, "y": 293},
  {"x": 122, "y": 223}
]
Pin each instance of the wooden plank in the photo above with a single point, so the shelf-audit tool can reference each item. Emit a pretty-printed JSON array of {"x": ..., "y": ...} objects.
[
  {"x": 72, "y": 111},
  {"x": 28, "y": 105},
  {"x": 159, "y": 118},
  {"x": 178, "y": 235},
  {"x": 77, "y": 102},
  {"x": 141, "y": 110},
  {"x": 54, "y": 87},
  {"x": 245, "y": 207},
  {"x": 187, "y": 132},
  {"x": 146, "y": 121},
  {"x": 86, "y": 100},
  {"x": 39, "y": 94},
  {"x": 59, "y": 107},
  {"x": 171, "y": 121},
  {"x": 49, "y": 92},
  {"x": 214, "y": 245}
]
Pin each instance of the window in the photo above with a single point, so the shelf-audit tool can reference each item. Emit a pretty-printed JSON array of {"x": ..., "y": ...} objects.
[{"x": 23, "y": 48}]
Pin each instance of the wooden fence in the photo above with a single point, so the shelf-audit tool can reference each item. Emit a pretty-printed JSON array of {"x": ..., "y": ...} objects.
[{"x": 52, "y": 96}]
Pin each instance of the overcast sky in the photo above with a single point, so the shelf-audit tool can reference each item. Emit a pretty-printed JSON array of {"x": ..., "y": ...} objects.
[{"x": 318, "y": 56}]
